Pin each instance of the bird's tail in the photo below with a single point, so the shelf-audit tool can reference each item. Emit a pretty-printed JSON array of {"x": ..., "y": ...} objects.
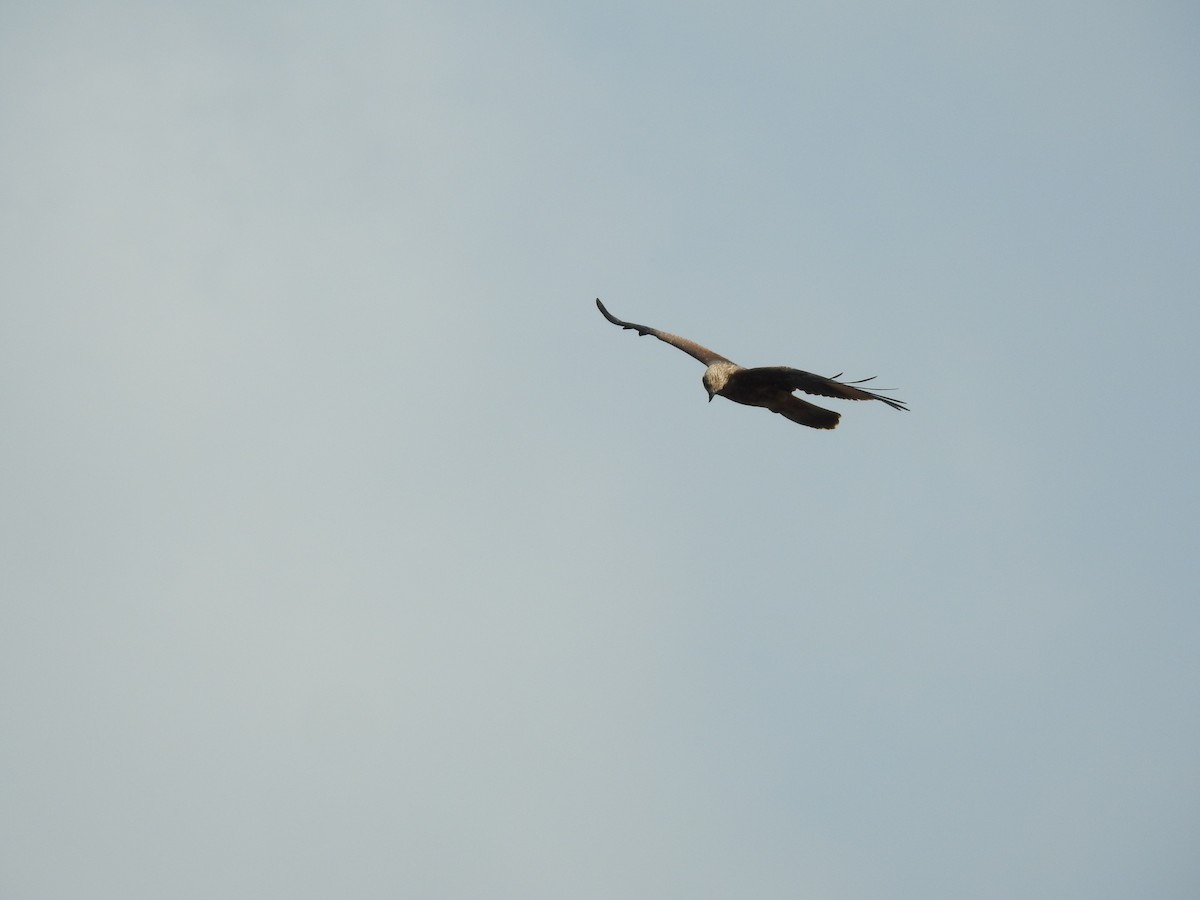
[{"x": 805, "y": 413}]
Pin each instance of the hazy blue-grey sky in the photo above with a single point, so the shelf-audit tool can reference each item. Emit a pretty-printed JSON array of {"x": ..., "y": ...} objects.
[{"x": 348, "y": 552}]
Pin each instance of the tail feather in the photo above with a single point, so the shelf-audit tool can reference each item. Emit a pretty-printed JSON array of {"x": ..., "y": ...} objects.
[{"x": 804, "y": 413}]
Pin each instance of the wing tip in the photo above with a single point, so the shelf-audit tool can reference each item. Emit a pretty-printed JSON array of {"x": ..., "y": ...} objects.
[{"x": 604, "y": 312}]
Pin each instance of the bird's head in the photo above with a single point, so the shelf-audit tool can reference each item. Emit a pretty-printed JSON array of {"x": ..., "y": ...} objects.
[{"x": 715, "y": 378}]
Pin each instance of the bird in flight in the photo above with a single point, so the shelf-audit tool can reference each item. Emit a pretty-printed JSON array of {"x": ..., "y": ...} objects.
[{"x": 770, "y": 387}]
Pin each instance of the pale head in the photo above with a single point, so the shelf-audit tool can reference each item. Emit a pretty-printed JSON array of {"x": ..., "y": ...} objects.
[{"x": 716, "y": 377}]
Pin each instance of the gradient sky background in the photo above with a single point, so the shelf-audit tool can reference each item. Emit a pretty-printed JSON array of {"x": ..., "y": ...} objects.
[{"x": 348, "y": 552}]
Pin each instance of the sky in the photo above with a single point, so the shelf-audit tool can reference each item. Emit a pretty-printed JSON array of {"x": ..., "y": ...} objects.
[{"x": 347, "y": 551}]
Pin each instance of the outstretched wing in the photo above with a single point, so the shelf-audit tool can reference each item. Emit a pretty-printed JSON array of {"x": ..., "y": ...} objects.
[
  {"x": 790, "y": 379},
  {"x": 691, "y": 348}
]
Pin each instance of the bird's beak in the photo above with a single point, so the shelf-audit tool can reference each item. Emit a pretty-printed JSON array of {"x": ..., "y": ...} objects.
[{"x": 710, "y": 396}]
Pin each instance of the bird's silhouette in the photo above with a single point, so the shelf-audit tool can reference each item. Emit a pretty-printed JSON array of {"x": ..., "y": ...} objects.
[{"x": 770, "y": 387}]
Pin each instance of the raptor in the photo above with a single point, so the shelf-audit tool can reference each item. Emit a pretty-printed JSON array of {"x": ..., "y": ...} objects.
[{"x": 771, "y": 387}]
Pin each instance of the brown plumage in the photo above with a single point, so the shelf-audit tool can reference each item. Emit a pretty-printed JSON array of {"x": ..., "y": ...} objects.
[{"x": 770, "y": 387}]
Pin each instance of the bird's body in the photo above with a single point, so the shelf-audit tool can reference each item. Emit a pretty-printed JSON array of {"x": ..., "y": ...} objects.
[{"x": 770, "y": 387}]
